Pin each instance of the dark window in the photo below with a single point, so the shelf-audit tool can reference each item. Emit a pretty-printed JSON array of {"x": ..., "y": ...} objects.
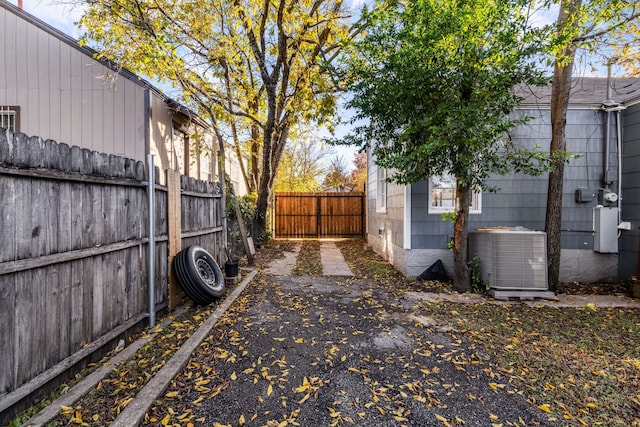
[{"x": 10, "y": 117}]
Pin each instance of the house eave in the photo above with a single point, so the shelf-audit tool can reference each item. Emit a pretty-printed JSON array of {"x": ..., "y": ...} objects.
[
  {"x": 632, "y": 102},
  {"x": 548, "y": 107}
]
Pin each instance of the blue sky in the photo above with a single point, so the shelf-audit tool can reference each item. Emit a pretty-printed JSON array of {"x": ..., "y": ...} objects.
[{"x": 56, "y": 14}]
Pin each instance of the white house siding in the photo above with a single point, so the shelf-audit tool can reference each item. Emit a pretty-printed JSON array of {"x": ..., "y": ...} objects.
[
  {"x": 63, "y": 95},
  {"x": 629, "y": 240}
]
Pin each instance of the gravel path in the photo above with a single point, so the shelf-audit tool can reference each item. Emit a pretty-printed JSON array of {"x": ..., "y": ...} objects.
[{"x": 322, "y": 351}]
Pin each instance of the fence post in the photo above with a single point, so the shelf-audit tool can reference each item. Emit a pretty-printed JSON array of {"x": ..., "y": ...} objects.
[
  {"x": 318, "y": 216},
  {"x": 174, "y": 231}
]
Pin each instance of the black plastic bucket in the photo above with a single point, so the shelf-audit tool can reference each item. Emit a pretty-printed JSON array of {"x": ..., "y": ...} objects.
[{"x": 231, "y": 269}]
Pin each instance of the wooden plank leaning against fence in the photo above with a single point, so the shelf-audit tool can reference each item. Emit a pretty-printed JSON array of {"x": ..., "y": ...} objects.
[{"x": 73, "y": 252}]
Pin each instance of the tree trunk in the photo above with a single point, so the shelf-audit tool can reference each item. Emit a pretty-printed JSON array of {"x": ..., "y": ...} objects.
[
  {"x": 259, "y": 225},
  {"x": 461, "y": 276},
  {"x": 254, "y": 149},
  {"x": 560, "y": 91}
]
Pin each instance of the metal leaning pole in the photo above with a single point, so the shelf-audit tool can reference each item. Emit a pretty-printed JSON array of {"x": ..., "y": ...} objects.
[{"x": 152, "y": 239}]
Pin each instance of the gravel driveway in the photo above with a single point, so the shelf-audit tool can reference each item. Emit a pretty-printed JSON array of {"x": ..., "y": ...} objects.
[{"x": 328, "y": 351}]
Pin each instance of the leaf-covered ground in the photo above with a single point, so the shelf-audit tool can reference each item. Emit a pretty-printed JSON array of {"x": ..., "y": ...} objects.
[
  {"x": 103, "y": 404},
  {"x": 316, "y": 351},
  {"x": 308, "y": 260},
  {"x": 580, "y": 365},
  {"x": 312, "y": 351}
]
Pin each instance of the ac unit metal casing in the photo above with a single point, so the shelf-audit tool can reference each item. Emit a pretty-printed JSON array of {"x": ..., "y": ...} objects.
[{"x": 511, "y": 258}]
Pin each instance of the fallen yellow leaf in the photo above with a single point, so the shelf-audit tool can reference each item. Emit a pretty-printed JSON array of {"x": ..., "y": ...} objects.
[
  {"x": 544, "y": 408},
  {"x": 443, "y": 420}
]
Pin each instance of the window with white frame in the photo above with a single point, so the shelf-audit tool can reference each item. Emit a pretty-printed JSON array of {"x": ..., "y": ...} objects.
[
  {"x": 442, "y": 195},
  {"x": 381, "y": 190},
  {"x": 10, "y": 117}
]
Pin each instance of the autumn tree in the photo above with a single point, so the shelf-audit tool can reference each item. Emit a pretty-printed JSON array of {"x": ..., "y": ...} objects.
[
  {"x": 302, "y": 164},
  {"x": 435, "y": 78},
  {"x": 337, "y": 174},
  {"x": 252, "y": 68},
  {"x": 359, "y": 173},
  {"x": 591, "y": 26},
  {"x": 627, "y": 50}
]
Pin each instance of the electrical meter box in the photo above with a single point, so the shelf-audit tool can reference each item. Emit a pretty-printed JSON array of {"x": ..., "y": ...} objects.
[{"x": 605, "y": 237}]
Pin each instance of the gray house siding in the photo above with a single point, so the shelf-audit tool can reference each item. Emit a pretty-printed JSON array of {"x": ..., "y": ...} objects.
[
  {"x": 63, "y": 93},
  {"x": 520, "y": 200},
  {"x": 629, "y": 240},
  {"x": 385, "y": 229}
]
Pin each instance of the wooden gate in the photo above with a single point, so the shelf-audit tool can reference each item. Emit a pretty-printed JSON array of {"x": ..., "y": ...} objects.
[{"x": 315, "y": 215}]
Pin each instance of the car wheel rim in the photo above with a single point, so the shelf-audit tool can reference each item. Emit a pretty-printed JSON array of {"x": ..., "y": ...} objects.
[{"x": 206, "y": 272}]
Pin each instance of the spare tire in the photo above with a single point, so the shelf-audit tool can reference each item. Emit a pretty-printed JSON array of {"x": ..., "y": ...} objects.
[{"x": 199, "y": 275}]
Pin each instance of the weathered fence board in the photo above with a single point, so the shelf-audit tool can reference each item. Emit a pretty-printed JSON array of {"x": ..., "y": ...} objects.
[
  {"x": 314, "y": 215},
  {"x": 201, "y": 212},
  {"x": 7, "y": 231},
  {"x": 7, "y": 331},
  {"x": 73, "y": 254}
]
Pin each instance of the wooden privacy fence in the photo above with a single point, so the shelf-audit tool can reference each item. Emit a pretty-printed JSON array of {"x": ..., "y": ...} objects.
[
  {"x": 316, "y": 215},
  {"x": 73, "y": 254}
]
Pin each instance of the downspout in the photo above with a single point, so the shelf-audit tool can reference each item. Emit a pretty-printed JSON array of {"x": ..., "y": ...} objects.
[
  {"x": 606, "y": 105},
  {"x": 150, "y": 197},
  {"x": 619, "y": 138}
]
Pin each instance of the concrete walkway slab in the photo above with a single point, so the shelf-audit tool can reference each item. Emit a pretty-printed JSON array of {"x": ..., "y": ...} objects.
[
  {"x": 284, "y": 266},
  {"x": 333, "y": 263}
]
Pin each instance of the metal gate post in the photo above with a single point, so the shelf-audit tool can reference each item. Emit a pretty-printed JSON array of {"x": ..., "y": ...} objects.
[{"x": 151, "y": 181}]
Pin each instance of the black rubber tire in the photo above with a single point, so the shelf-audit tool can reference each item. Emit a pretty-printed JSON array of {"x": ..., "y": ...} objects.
[
  {"x": 199, "y": 275},
  {"x": 185, "y": 281},
  {"x": 204, "y": 271}
]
